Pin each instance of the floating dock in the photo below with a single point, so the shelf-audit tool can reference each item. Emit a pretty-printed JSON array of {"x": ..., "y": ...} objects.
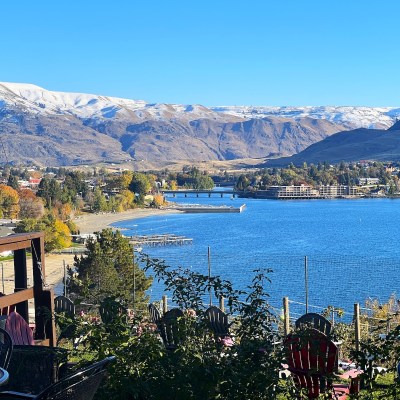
[{"x": 159, "y": 240}]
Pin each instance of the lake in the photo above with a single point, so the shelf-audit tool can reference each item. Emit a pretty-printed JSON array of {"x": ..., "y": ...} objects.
[{"x": 352, "y": 247}]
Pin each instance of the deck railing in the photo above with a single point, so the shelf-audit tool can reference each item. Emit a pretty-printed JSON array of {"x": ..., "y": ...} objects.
[{"x": 43, "y": 298}]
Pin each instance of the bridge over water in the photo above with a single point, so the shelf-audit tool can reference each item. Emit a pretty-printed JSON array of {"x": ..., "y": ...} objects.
[{"x": 197, "y": 193}]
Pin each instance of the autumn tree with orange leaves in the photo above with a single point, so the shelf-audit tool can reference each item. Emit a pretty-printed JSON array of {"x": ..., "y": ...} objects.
[{"x": 9, "y": 202}]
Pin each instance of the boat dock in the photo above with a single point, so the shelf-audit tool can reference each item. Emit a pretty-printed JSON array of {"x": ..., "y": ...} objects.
[{"x": 159, "y": 240}]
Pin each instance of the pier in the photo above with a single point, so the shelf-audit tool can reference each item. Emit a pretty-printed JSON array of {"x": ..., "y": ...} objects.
[{"x": 159, "y": 240}]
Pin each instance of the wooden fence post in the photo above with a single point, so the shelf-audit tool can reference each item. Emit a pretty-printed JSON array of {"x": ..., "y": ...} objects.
[
  {"x": 357, "y": 326},
  {"x": 164, "y": 304},
  {"x": 286, "y": 317},
  {"x": 222, "y": 303}
]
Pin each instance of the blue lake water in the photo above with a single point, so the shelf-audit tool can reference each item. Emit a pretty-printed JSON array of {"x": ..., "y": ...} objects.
[{"x": 352, "y": 246}]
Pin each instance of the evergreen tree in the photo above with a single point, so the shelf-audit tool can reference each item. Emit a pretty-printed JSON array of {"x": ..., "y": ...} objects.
[
  {"x": 108, "y": 268},
  {"x": 13, "y": 182}
]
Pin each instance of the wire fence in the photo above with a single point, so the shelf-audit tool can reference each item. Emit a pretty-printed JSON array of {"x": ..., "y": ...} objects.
[
  {"x": 315, "y": 283},
  {"x": 312, "y": 283}
]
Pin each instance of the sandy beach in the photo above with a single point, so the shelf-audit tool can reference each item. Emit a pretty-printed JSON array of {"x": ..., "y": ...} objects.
[
  {"x": 89, "y": 223},
  {"x": 54, "y": 263}
]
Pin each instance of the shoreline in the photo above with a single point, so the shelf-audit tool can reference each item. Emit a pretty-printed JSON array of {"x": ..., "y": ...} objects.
[{"x": 90, "y": 223}]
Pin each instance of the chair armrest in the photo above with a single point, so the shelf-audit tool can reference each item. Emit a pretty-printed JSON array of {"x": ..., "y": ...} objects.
[{"x": 16, "y": 395}]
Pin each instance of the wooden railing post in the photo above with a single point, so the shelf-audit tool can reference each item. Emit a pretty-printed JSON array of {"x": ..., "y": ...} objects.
[
  {"x": 21, "y": 280},
  {"x": 286, "y": 316},
  {"x": 222, "y": 303},
  {"x": 164, "y": 304}
]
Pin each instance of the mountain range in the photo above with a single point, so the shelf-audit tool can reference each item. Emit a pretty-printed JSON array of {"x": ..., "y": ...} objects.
[
  {"x": 57, "y": 129},
  {"x": 354, "y": 145}
]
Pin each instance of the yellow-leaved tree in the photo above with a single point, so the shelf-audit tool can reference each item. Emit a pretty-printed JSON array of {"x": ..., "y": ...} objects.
[
  {"x": 56, "y": 234},
  {"x": 9, "y": 202},
  {"x": 158, "y": 200},
  {"x": 125, "y": 200}
]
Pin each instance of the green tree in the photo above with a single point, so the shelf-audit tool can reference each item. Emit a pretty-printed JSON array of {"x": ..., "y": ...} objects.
[
  {"x": 50, "y": 191},
  {"x": 99, "y": 201},
  {"x": 140, "y": 185},
  {"x": 203, "y": 182},
  {"x": 242, "y": 182},
  {"x": 13, "y": 182},
  {"x": 109, "y": 268}
]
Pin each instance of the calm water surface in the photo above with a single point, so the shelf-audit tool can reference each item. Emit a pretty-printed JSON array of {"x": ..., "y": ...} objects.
[{"x": 352, "y": 246}]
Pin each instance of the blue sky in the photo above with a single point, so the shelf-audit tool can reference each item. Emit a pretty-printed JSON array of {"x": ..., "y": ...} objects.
[{"x": 343, "y": 52}]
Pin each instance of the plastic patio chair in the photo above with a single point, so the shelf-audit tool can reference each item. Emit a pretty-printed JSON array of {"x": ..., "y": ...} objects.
[
  {"x": 81, "y": 385},
  {"x": 168, "y": 327},
  {"x": 311, "y": 359},
  {"x": 34, "y": 368},
  {"x": 217, "y": 321},
  {"x": 65, "y": 305},
  {"x": 64, "y": 309},
  {"x": 19, "y": 330},
  {"x": 110, "y": 310},
  {"x": 316, "y": 321},
  {"x": 155, "y": 315},
  {"x": 6, "y": 348}
]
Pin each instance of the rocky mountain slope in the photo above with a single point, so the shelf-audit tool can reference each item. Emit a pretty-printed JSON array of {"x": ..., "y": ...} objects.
[
  {"x": 56, "y": 128},
  {"x": 354, "y": 145}
]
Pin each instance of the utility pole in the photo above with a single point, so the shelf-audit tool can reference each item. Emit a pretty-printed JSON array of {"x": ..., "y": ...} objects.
[
  {"x": 134, "y": 280},
  {"x": 209, "y": 273},
  {"x": 306, "y": 280}
]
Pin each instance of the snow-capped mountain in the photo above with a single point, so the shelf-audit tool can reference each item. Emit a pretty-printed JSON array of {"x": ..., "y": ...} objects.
[
  {"x": 58, "y": 128},
  {"x": 42, "y": 101},
  {"x": 94, "y": 106},
  {"x": 352, "y": 117}
]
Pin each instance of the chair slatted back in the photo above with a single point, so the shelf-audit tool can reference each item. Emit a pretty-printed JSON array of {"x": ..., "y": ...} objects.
[
  {"x": 217, "y": 321},
  {"x": 316, "y": 321},
  {"x": 111, "y": 309},
  {"x": 155, "y": 315},
  {"x": 19, "y": 330},
  {"x": 168, "y": 327},
  {"x": 65, "y": 305},
  {"x": 6, "y": 348},
  {"x": 311, "y": 358}
]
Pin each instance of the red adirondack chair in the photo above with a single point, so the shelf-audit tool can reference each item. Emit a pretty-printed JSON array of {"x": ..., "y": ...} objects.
[
  {"x": 311, "y": 359},
  {"x": 19, "y": 329}
]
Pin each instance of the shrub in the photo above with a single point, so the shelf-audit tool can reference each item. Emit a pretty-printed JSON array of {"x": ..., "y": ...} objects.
[{"x": 200, "y": 367}]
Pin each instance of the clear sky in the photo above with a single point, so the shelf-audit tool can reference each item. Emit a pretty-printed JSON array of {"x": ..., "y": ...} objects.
[{"x": 219, "y": 52}]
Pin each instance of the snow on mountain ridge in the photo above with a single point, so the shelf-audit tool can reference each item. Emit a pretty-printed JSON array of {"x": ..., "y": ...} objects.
[
  {"x": 367, "y": 117},
  {"x": 92, "y": 106},
  {"x": 89, "y": 106}
]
